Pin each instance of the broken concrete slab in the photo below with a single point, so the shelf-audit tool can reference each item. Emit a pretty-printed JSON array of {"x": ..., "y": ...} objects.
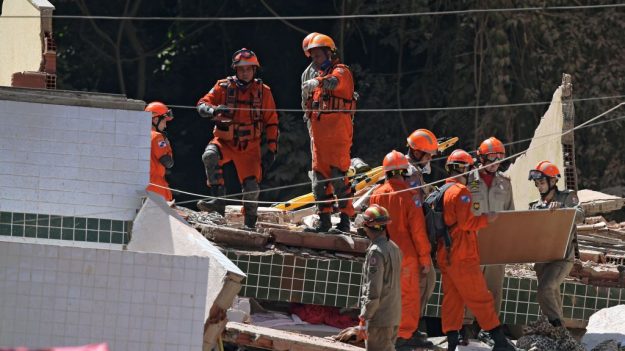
[
  {"x": 233, "y": 237},
  {"x": 595, "y": 202},
  {"x": 605, "y": 324},
  {"x": 320, "y": 241}
]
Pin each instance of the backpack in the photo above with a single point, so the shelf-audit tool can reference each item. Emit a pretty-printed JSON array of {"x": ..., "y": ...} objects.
[{"x": 434, "y": 220}]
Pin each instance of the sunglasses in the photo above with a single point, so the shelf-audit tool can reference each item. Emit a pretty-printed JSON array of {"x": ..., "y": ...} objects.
[{"x": 242, "y": 54}]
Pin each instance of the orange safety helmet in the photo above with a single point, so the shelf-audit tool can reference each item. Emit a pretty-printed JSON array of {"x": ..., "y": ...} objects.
[
  {"x": 491, "y": 145},
  {"x": 423, "y": 140},
  {"x": 395, "y": 160},
  {"x": 459, "y": 160},
  {"x": 544, "y": 169},
  {"x": 244, "y": 57},
  {"x": 376, "y": 217},
  {"x": 321, "y": 41},
  {"x": 159, "y": 109},
  {"x": 306, "y": 42}
]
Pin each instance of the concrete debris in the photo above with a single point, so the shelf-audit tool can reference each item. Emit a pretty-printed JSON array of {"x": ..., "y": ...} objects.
[
  {"x": 608, "y": 345},
  {"x": 606, "y": 327},
  {"x": 542, "y": 336},
  {"x": 233, "y": 237},
  {"x": 594, "y": 202}
]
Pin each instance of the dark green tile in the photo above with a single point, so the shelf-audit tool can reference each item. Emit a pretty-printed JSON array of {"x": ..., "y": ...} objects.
[
  {"x": 568, "y": 289},
  {"x": 67, "y": 234},
  {"x": 513, "y": 295},
  {"x": 254, "y": 258},
  {"x": 262, "y": 293},
  {"x": 252, "y": 280},
  {"x": 276, "y": 271},
  {"x": 80, "y": 235},
  {"x": 344, "y": 278},
  {"x": 343, "y": 289},
  {"x": 105, "y": 224},
  {"x": 127, "y": 227},
  {"x": 289, "y": 260},
  {"x": 603, "y": 292},
  {"x": 117, "y": 226},
  {"x": 533, "y": 309},
  {"x": 92, "y": 236},
  {"x": 253, "y": 268},
  {"x": 601, "y": 303},
  {"x": 524, "y": 284},
  {"x": 30, "y": 219},
  {"x": 55, "y": 233},
  {"x": 307, "y": 297},
  {"x": 274, "y": 295},
  {"x": 309, "y": 285},
  {"x": 263, "y": 280},
  {"x": 320, "y": 287},
  {"x": 357, "y": 267},
  {"x": 331, "y": 288},
  {"x": 333, "y": 276},
  {"x": 323, "y": 265},
  {"x": 5, "y": 229},
  {"x": 352, "y": 302},
  {"x": 300, "y": 262},
  {"x": 318, "y": 299},
  {"x": 68, "y": 222},
  {"x": 580, "y": 289},
  {"x": 43, "y": 220},
  {"x": 18, "y": 218},
  {"x": 335, "y": 265},
  {"x": 354, "y": 290},
  {"x": 311, "y": 274},
  {"x": 242, "y": 266},
  {"x": 43, "y": 232},
  {"x": 17, "y": 230},
  {"x": 524, "y": 296},
  {"x": 5, "y": 217},
  {"x": 116, "y": 238},
  {"x": 578, "y": 313},
  {"x": 274, "y": 282},
  {"x": 588, "y": 313},
  {"x": 92, "y": 223},
  {"x": 285, "y": 295},
  {"x": 105, "y": 237},
  {"x": 522, "y": 308},
  {"x": 355, "y": 279},
  {"x": 30, "y": 231},
  {"x": 56, "y": 221},
  {"x": 265, "y": 269},
  {"x": 615, "y": 294},
  {"x": 311, "y": 264},
  {"x": 534, "y": 284},
  {"x": 126, "y": 238},
  {"x": 80, "y": 223},
  {"x": 322, "y": 276},
  {"x": 514, "y": 284},
  {"x": 299, "y": 272},
  {"x": 278, "y": 260},
  {"x": 341, "y": 301},
  {"x": 331, "y": 300},
  {"x": 250, "y": 291},
  {"x": 266, "y": 259},
  {"x": 567, "y": 300}
]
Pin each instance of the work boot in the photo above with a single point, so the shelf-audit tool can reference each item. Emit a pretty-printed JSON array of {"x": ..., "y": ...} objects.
[
  {"x": 249, "y": 222},
  {"x": 501, "y": 342},
  {"x": 214, "y": 205},
  {"x": 556, "y": 322},
  {"x": 343, "y": 226},
  {"x": 452, "y": 340},
  {"x": 402, "y": 344},
  {"x": 466, "y": 334},
  {"x": 325, "y": 223},
  {"x": 420, "y": 340}
]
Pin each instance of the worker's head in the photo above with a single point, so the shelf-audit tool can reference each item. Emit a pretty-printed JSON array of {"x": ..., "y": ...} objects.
[
  {"x": 395, "y": 164},
  {"x": 422, "y": 146},
  {"x": 490, "y": 153},
  {"x": 306, "y": 42},
  {"x": 161, "y": 114},
  {"x": 545, "y": 176},
  {"x": 372, "y": 222},
  {"x": 322, "y": 50},
  {"x": 245, "y": 63},
  {"x": 458, "y": 164}
]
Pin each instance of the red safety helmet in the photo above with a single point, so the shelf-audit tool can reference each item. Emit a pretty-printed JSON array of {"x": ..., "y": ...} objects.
[
  {"x": 395, "y": 160},
  {"x": 321, "y": 41},
  {"x": 423, "y": 140},
  {"x": 306, "y": 42},
  {"x": 544, "y": 169},
  {"x": 159, "y": 109},
  {"x": 459, "y": 161},
  {"x": 244, "y": 57},
  {"x": 376, "y": 217}
]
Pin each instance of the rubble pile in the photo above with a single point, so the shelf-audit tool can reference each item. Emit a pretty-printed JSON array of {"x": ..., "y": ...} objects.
[{"x": 542, "y": 336}]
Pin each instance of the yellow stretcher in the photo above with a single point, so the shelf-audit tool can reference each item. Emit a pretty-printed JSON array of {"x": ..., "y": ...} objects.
[{"x": 366, "y": 179}]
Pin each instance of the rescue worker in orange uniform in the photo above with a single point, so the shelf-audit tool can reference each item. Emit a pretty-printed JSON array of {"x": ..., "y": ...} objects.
[
  {"x": 242, "y": 108},
  {"x": 330, "y": 108},
  {"x": 161, "y": 156},
  {"x": 422, "y": 146},
  {"x": 408, "y": 231},
  {"x": 309, "y": 73},
  {"x": 551, "y": 274},
  {"x": 491, "y": 191},
  {"x": 462, "y": 279}
]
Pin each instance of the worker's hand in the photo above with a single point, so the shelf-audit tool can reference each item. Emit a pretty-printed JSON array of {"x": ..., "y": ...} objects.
[
  {"x": 425, "y": 269},
  {"x": 330, "y": 83},
  {"x": 491, "y": 216},
  {"x": 221, "y": 110},
  {"x": 204, "y": 110},
  {"x": 268, "y": 159},
  {"x": 309, "y": 85},
  {"x": 362, "y": 329},
  {"x": 554, "y": 204}
]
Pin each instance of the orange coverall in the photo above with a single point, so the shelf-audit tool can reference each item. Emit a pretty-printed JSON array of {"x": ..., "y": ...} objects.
[
  {"x": 331, "y": 135},
  {"x": 407, "y": 230},
  {"x": 244, "y": 148},
  {"x": 462, "y": 278},
  {"x": 160, "y": 148}
]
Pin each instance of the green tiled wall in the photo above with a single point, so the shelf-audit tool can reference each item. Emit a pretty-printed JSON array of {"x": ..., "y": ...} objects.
[
  {"x": 285, "y": 277},
  {"x": 44, "y": 226}
]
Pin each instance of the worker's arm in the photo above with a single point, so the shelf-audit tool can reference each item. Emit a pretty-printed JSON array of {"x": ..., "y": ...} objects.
[
  {"x": 161, "y": 149},
  {"x": 167, "y": 161},
  {"x": 339, "y": 81},
  {"x": 212, "y": 104},
  {"x": 270, "y": 119},
  {"x": 465, "y": 219},
  {"x": 372, "y": 288},
  {"x": 418, "y": 233}
]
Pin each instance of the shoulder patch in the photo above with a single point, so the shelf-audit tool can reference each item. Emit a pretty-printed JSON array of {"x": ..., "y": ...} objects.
[
  {"x": 373, "y": 261},
  {"x": 417, "y": 201},
  {"x": 465, "y": 198},
  {"x": 162, "y": 143}
]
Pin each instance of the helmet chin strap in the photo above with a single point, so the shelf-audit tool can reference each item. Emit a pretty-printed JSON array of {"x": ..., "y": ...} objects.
[
  {"x": 551, "y": 187},
  {"x": 160, "y": 118}
]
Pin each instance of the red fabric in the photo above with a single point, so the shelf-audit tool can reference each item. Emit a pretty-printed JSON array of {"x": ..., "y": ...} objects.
[
  {"x": 315, "y": 314},
  {"x": 462, "y": 278},
  {"x": 487, "y": 178},
  {"x": 160, "y": 148}
]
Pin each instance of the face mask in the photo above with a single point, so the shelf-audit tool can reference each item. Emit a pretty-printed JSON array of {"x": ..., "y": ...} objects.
[{"x": 325, "y": 65}]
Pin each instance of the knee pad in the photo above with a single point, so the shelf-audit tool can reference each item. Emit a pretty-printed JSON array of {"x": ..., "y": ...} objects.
[
  {"x": 211, "y": 156},
  {"x": 251, "y": 188}
]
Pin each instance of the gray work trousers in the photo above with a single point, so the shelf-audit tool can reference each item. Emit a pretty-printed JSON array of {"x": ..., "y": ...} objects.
[
  {"x": 427, "y": 283},
  {"x": 550, "y": 276},
  {"x": 494, "y": 276},
  {"x": 381, "y": 338}
]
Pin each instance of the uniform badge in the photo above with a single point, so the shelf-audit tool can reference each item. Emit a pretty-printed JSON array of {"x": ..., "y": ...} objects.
[
  {"x": 339, "y": 70},
  {"x": 417, "y": 201},
  {"x": 465, "y": 198},
  {"x": 373, "y": 261},
  {"x": 162, "y": 143},
  {"x": 476, "y": 206}
]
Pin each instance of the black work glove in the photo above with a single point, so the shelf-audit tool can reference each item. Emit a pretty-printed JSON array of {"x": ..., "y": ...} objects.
[
  {"x": 267, "y": 161},
  {"x": 211, "y": 112}
]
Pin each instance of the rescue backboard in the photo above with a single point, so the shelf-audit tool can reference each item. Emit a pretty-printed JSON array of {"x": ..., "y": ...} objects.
[{"x": 526, "y": 236}]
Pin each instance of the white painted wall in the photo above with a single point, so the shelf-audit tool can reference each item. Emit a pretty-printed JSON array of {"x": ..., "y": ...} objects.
[
  {"x": 136, "y": 301},
  {"x": 73, "y": 161}
]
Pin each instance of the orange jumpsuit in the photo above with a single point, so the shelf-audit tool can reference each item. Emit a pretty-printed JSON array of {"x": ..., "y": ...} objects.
[
  {"x": 407, "y": 230},
  {"x": 331, "y": 135},
  {"x": 160, "y": 148},
  {"x": 252, "y": 112},
  {"x": 462, "y": 278}
]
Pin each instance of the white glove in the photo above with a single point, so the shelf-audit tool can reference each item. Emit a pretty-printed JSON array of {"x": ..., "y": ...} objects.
[{"x": 309, "y": 85}]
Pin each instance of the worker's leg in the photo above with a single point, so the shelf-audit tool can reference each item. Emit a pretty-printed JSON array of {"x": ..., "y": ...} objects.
[
  {"x": 321, "y": 192},
  {"x": 381, "y": 339},
  {"x": 470, "y": 283},
  {"x": 452, "y": 308},
  {"x": 213, "y": 160},
  {"x": 427, "y": 284},
  {"x": 409, "y": 299},
  {"x": 550, "y": 276},
  {"x": 251, "y": 190},
  {"x": 343, "y": 191}
]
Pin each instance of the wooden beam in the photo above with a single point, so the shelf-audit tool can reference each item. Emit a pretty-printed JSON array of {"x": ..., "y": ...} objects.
[{"x": 320, "y": 241}]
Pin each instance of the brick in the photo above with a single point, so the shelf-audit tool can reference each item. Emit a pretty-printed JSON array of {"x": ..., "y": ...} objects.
[{"x": 35, "y": 80}]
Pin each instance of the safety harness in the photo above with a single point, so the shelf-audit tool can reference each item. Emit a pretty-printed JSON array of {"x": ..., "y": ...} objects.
[{"x": 330, "y": 103}]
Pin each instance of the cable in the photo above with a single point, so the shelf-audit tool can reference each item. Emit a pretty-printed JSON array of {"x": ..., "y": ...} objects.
[
  {"x": 583, "y": 125},
  {"x": 425, "y": 109},
  {"x": 330, "y": 17}
]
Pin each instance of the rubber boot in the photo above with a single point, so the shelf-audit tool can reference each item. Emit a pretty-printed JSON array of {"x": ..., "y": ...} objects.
[
  {"x": 420, "y": 340},
  {"x": 402, "y": 344},
  {"x": 501, "y": 342},
  {"x": 249, "y": 222},
  {"x": 452, "y": 340},
  {"x": 214, "y": 205},
  {"x": 343, "y": 226},
  {"x": 556, "y": 323},
  {"x": 325, "y": 223}
]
